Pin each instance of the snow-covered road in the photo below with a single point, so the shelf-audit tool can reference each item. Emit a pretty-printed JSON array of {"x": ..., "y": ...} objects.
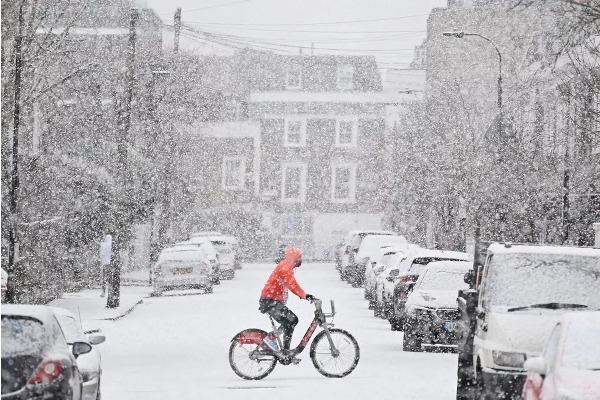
[{"x": 175, "y": 347}]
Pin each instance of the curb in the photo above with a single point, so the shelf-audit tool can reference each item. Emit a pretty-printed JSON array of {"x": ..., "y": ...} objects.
[{"x": 127, "y": 312}]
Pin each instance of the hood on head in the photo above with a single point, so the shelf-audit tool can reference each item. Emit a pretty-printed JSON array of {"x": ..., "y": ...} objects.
[{"x": 292, "y": 255}]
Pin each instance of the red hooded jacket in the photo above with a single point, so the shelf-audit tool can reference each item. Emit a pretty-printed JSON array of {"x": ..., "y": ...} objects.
[{"x": 282, "y": 278}]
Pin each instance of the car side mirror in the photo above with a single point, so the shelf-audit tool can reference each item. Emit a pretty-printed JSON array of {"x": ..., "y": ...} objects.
[
  {"x": 537, "y": 365},
  {"x": 96, "y": 339},
  {"x": 80, "y": 348},
  {"x": 394, "y": 273}
]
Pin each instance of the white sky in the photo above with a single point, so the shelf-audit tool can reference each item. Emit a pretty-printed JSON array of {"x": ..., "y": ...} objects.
[{"x": 400, "y": 25}]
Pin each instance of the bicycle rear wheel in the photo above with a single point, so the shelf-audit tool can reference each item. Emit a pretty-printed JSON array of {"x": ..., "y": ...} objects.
[
  {"x": 335, "y": 365},
  {"x": 246, "y": 357}
]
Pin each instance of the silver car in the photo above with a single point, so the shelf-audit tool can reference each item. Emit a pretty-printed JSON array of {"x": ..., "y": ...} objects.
[{"x": 90, "y": 364}]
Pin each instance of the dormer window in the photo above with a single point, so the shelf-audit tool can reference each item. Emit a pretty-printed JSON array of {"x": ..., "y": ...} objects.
[
  {"x": 345, "y": 77},
  {"x": 293, "y": 77}
]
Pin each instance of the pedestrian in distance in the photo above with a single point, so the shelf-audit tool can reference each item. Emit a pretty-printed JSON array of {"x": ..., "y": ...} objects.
[{"x": 105, "y": 258}]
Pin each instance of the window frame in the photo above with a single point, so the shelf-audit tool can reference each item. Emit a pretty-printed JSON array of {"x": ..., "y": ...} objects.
[
  {"x": 342, "y": 70},
  {"x": 289, "y": 72},
  {"x": 303, "y": 171},
  {"x": 354, "y": 139},
  {"x": 241, "y": 173},
  {"x": 352, "y": 184},
  {"x": 286, "y": 136}
]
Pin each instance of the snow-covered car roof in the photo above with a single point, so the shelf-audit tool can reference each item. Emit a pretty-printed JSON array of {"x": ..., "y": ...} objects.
[
  {"x": 423, "y": 253},
  {"x": 39, "y": 312},
  {"x": 374, "y": 242},
  {"x": 500, "y": 248},
  {"x": 205, "y": 233},
  {"x": 449, "y": 266}
]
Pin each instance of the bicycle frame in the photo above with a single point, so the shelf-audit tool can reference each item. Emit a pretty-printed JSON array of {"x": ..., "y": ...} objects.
[{"x": 319, "y": 320}]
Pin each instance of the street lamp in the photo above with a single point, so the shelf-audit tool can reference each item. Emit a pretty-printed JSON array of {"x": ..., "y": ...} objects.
[{"x": 460, "y": 35}]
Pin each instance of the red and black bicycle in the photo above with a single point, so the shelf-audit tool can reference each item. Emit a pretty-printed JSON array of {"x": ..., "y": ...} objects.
[{"x": 254, "y": 353}]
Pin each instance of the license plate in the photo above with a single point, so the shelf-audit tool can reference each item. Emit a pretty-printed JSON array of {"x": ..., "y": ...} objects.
[
  {"x": 450, "y": 326},
  {"x": 181, "y": 271}
]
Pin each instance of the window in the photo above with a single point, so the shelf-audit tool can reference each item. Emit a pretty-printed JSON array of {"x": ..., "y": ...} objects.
[
  {"x": 343, "y": 183},
  {"x": 295, "y": 133},
  {"x": 345, "y": 77},
  {"x": 234, "y": 170},
  {"x": 293, "y": 77},
  {"x": 345, "y": 133},
  {"x": 293, "y": 182}
]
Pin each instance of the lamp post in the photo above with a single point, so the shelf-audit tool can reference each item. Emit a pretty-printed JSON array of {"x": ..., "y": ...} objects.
[{"x": 461, "y": 35}]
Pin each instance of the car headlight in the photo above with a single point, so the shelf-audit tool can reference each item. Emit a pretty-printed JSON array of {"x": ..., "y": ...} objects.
[
  {"x": 508, "y": 359},
  {"x": 422, "y": 312}
]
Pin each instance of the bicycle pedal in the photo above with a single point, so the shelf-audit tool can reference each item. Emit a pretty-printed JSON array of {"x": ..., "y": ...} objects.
[{"x": 296, "y": 361}]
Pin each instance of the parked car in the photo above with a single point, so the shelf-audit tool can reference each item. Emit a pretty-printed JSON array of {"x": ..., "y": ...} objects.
[
  {"x": 431, "y": 309},
  {"x": 368, "y": 252},
  {"x": 377, "y": 265},
  {"x": 235, "y": 246},
  {"x": 519, "y": 293},
  {"x": 569, "y": 366},
  {"x": 182, "y": 267},
  {"x": 382, "y": 302},
  {"x": 226, "y": 255},
  {"x": 350, "y": 245},
  {"x": 410, "y": 269},
  {"x": 210, "y": 254},
  {"x": 90, "y": 364},
  {"x": 37, "y": 362}
]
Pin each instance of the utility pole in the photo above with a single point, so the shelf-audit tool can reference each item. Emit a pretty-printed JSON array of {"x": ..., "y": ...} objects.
[
  {"x": 565, "y": 200},
  {"x": 177, "y": 28},
  {"x": 13, "y": 249},
  {"x": 121, "y": 223}
]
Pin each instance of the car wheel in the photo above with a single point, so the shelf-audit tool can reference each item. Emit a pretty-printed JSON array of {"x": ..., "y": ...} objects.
[{"x": 156, "y": 293}]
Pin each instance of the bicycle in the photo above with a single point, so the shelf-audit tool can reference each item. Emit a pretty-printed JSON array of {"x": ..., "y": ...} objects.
[{"x": 254, "y": 353}]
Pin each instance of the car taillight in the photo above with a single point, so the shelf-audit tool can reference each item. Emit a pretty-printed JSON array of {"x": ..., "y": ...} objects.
[
  {"x": 158, "y": 270},
  {"x": 46, "y": 371},
  {"x": 405, "y": 279}
]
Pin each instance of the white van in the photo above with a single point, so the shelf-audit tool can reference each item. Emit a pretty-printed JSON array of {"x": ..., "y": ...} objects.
[
  {"x": 523, "y": 291},
  {"x": 181, "y": 267}
]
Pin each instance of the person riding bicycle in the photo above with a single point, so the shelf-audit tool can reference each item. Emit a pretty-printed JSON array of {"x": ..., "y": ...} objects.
[{"x": 274, "y": 294}]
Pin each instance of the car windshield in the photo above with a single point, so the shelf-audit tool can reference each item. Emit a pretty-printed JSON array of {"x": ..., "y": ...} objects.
[
  {"x": 21, "y": 335},
  {"x": 582, "y": 347},
  {"x": 522, "y": 280},
  {"x": 386, "y": 258},
  {"x": 443, "y": 280},
  {"x": 70, "y": 328}
]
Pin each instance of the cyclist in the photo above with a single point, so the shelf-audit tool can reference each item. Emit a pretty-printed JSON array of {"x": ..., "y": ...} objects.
[{"x": 274, "y": 294}]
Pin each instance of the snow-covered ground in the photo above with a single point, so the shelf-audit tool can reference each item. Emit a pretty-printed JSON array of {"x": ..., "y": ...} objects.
[{"x": 176, "y": 347}]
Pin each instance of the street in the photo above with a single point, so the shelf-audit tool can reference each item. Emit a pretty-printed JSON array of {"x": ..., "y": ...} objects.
[{"x": 175, "y": 347}]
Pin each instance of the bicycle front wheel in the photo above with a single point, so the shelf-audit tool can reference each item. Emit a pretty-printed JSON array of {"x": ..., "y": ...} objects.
[
  {"x": 338, "y": 362},
  {"x": 247, "y": 359}
]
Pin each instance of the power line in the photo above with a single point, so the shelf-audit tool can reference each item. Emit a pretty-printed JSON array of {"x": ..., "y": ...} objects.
[
  {"x": 316, "y": 23},
  {"x": 209, "y": 7}
]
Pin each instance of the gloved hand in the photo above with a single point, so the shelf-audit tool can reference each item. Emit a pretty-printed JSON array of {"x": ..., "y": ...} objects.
[{"x": 309, "y": 297}]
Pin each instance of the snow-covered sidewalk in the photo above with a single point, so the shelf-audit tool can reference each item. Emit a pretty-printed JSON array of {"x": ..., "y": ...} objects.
[{"x": 91, "y": 307}]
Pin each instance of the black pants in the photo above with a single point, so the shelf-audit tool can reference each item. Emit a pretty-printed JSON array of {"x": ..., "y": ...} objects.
[{"x": 281, "y": 314}]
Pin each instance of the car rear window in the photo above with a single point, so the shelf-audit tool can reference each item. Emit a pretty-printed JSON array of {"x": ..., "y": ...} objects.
[
  {"x": 418, "y": 265},
  {"x": 23, "y": 335}
]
